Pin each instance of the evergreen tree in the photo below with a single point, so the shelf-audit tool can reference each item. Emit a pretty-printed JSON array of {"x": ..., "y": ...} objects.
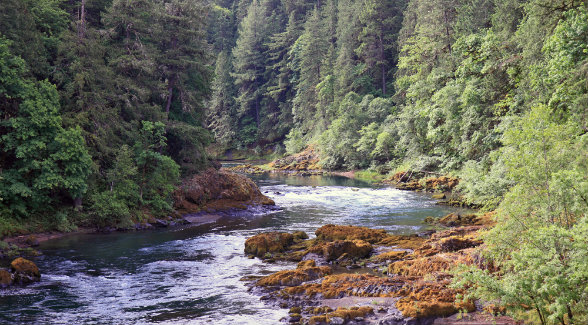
[{"x": 249, "y": 65}]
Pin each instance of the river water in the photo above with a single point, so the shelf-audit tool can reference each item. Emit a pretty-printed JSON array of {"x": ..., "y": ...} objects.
[{"x": 191, "y": 275}]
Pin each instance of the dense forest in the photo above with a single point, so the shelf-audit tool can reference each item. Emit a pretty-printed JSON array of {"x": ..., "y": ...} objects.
[
  {"x": 107, "y": 104},
  {"x": 102, "y": 108}
]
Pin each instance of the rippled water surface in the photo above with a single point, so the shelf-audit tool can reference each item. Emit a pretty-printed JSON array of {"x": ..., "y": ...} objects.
[{"x": 192, "y": 275}]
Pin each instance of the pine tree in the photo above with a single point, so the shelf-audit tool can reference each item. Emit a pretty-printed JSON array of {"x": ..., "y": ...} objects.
[
  {"x": 222, "y": 115},
  {"x": 313, "y": 46},
  {"x": 249, "y": 65}
]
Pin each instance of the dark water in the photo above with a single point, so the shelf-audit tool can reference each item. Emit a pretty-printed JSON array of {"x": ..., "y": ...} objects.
[{"x": 192, "y": 275}]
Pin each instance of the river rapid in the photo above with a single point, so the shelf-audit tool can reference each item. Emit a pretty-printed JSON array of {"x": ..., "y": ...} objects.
[{"x": 192, "y": 274}]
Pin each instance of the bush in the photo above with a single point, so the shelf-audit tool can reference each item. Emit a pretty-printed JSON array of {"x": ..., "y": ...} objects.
[{"x": 294, "y": 141}]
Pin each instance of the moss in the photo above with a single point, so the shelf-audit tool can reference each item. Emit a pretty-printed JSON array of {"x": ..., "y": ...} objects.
[
  {"x": 272, "y": 242},
  {"x": 390, "y": 256},
  {"x": 406, "y": 242},
  {"x": 430, "y": 299},
  {"x": 420, "y": 266},
  {"x": 294, "y": 277},
  {"x": 300, "y": 235},
  {"x": 295, "y": 310},
  {"x": 25, "y": 271},
  {"x": 351, "y": 313},
  {"x": 217, "y": 190},
  {"x": 350, "y": 248},
  {"x": 317, "y": 320},
  {"x": 333, "y": 232},
  {"x": 5, "y": 278},
  {"x": 306, "y": 264}
]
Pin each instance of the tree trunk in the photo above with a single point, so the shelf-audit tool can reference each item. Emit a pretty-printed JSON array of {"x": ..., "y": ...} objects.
[
  {"x": 170, "y": 92},
  {"x": 382, "y": 64},
  {"x": 82, "y": 21},
  {"x": 78, "y": 203}
]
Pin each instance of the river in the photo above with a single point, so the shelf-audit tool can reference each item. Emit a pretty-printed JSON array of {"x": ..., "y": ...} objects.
[{"x": 191, "y": 274}]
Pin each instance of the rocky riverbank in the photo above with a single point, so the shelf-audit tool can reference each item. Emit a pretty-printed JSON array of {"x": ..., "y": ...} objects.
[
  {"x": 357, "y": 275},
  {"x": 203, "y": 198}
]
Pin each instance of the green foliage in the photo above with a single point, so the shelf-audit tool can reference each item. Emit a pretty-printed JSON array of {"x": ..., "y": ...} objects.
[
  {"x": 540, "y": 240},
  {"x": 294, "y": 141},
  {"x": 40, "y": 157},
  {"x": 157, "y": 173},
  {"x": 128, "y": 74}
]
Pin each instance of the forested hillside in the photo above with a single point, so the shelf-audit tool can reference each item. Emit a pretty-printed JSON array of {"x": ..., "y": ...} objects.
[
  {"x": 101, "y": 107},
  {"x": 421, "y": 85}
]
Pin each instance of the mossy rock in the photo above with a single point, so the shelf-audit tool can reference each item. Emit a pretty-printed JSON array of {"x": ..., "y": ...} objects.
[
  {"x": 272, "y": 242},
  {"x": 333, "y": 232},
  {"x": 25, "y": 271},
  {"x": 351, "y": 248},
  {"x": 5, "y": 279},
  {"x": 296, "y": 277},
  {"x": 300, "y": 235}
]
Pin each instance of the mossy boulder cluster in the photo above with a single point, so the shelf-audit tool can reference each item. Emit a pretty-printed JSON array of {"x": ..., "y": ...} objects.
[
  {"x": 351, "y": 264},
  {"x": 21, "y": 271},
  {"x": 218, "y": 190}
]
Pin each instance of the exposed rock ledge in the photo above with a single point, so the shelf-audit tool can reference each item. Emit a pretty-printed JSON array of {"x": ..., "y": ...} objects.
[{"x": 218, "y": 190}]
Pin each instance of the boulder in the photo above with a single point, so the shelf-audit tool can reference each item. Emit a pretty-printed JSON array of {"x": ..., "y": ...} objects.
[
  {"x": 5, "y": 279},
  {"x": 296, "y": 277},
  {"x": 270, "y": 242},
  {"x": 352, "y": 249},
  {"x": 218, "y": 190},
  {"x": 25, "y": 271},
  {"x": 333, "y": 232}
]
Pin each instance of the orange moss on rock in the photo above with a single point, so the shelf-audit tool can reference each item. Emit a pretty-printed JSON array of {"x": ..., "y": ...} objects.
[
  {"x": 458, "y": 220},
  {"x": 317, "y": 320},
  {"x": 218, "y": 190},
  {"x": 410, "y": 186},
  {"x": 307, "y": 160},
  {"x": 341, "y": 285},
  {"x": 441, "y": 183},
  {"x": 421, "y": 266},
  {"x": 454, "y": 243},
  {"x": 296, "y": 277},
  {"x": 406, "y": 242},
  {"x": 390, "y": 256},
  {"x": 25, "y": 271},
  {"x": 430, "y": 299},
  {"x": 269, "y": 242},
  {"x": 306, "y": 264},
  {"x": 318, "y": 310},
  {"x": 333, "y": 232},
  {"x": 5, "y": 278},
  {"x": 336, "y": 249},
  {"x": 350, "y": 313}
]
